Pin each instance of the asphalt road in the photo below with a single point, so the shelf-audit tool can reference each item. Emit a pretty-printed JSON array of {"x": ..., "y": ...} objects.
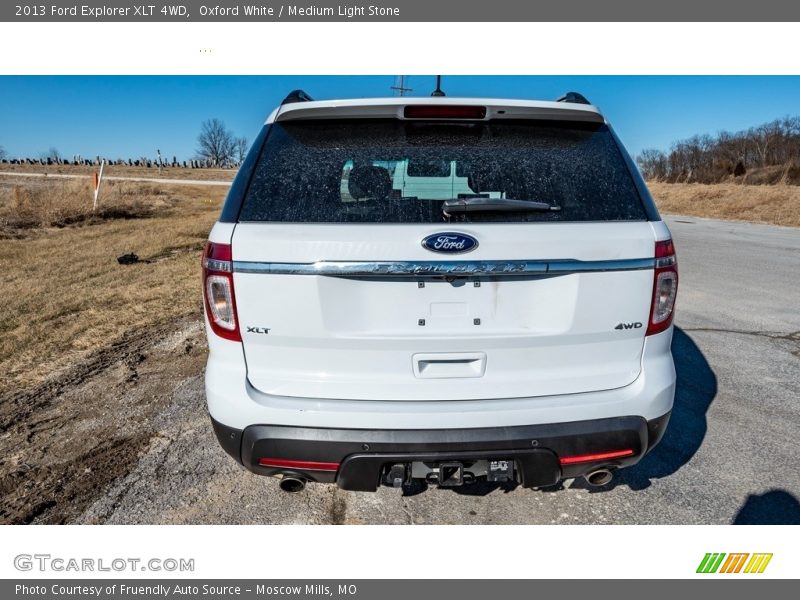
[{"x": 730, "y": 454}]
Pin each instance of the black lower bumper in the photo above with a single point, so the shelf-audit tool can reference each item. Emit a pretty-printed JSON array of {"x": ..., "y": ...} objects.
[{"x": 356, "y": 458}]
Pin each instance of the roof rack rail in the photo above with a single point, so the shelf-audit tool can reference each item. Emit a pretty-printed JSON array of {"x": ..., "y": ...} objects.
[
  {"x": 296, "y": 96},
  {"x": 574, "y": 98}
]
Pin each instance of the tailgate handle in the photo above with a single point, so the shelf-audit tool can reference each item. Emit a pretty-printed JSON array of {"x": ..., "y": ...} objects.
[{"x": 444, "y": 365}]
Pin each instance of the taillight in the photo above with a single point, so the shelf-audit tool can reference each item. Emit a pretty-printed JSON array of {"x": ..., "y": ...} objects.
[
  {"x": 665, "y": 288},
  {"x": 218, "y": 291}
]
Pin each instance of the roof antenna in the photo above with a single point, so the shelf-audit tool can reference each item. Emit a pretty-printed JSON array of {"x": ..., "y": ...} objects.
[{"x": 438, "y": 93}]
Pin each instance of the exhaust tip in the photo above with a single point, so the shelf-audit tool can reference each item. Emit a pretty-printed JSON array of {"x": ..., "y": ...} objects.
[
  {"x": 599, "y": 477},
  {"x": 292, "y": 484}
]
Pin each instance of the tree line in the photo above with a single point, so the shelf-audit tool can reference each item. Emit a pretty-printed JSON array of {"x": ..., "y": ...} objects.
[{"x": 768, "y": 153}]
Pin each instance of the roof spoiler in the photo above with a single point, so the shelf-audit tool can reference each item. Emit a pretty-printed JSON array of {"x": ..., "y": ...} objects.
[
  {"x": 297, "y": 96},
  {"x": 573, "y": 98},
  {"x": 393, "y": 108}
]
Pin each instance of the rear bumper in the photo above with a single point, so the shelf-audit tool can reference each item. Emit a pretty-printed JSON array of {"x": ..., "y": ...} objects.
[{"x": 356, "y": 458}]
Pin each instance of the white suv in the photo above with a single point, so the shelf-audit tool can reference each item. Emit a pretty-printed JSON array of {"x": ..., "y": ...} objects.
[{"x": 438, "y": 289}]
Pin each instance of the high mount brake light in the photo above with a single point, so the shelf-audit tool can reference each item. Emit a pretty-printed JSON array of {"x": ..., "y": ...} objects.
[
  {"x": 218, "y": 293},
  {"x": 665, "y": 288},
  {"x": 428, "y": 111}
]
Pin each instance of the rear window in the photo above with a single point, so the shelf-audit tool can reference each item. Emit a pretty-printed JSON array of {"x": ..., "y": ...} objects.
[{"x": 392, "y": 171}]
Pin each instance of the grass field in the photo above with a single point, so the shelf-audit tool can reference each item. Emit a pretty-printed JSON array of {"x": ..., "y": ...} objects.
[
  {"x": 772, "y": 204},
  {"x": 31, "y": 204},
  {"x": 64, "y": 292},
  {"x": 125, "y": 171}
]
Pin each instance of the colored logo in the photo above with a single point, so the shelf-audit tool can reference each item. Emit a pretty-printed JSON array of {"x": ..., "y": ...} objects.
[
  {"x": 742, "y": 562},
  {"x": 452, "y": 243}
]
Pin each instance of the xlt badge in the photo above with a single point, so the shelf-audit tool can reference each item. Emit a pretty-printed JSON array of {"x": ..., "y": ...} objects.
[{"x": 264, "y": 330}]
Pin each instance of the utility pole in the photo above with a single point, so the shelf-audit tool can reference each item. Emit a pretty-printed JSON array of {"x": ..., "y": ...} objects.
[{"x": 400, "y": 86}]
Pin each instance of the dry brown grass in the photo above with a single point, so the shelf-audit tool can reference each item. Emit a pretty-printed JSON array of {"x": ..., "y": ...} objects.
[
  {"x": 773, "y": 204},
  {"x": 125, "y": 171},
  {"x": 65, "y": 294},
  {"x": 30, "y": 204}
]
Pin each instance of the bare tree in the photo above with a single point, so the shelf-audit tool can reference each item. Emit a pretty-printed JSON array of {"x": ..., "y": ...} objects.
[
  {"x": 3, "y": 153},
  {"x": 216, "y": 143},
  {"x": 241, "y": 149},
  {"x": 653, "y": 164}
]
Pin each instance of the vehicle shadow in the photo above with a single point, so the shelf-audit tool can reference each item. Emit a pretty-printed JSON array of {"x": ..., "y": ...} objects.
[
  {"x": 695, "y": 391},
  {"x": 776, "y": 507},
  {"x": 480, "y": 488}
]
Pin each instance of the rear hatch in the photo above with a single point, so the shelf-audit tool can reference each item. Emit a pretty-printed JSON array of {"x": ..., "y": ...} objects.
[{"x": 387, "y": 259}]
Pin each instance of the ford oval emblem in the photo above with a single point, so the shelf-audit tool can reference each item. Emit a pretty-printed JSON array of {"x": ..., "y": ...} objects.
[{"x": 450, "y": 242}]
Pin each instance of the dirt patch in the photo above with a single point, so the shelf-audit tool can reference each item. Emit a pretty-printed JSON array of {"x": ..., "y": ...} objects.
[
  {"x": 338, "y": 511},
  {"x": 57, "y": 494},
  {"x": 19, "y": 407},
  {"x": 63, "y": 442}
]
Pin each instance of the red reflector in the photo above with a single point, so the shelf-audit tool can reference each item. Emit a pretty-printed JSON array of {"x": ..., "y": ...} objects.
[
  {"x": 218, "y": 251},
  {"x": 305, "y": 465},
  {"x": 665, "y": 248},
  {"x": 443, "y": 111},
  {"x": 581, "y": 458}
]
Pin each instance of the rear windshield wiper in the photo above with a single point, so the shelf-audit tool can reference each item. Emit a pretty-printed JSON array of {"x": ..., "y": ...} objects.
[{"x": 462, "y": 205}]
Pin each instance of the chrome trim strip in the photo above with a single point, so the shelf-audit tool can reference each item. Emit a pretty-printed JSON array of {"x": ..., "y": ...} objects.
[
  {"x": 589, "y": 266},
  {"x": 504, "y": 268}
]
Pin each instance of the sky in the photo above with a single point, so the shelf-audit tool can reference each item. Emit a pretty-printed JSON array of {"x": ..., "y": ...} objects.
[{"x": 134, "y": 116}]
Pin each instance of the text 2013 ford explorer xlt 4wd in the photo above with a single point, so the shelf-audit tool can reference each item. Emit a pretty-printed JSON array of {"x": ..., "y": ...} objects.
[{"x": 438, "y": 289}]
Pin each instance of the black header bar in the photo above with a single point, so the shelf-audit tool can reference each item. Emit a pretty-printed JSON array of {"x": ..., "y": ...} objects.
[{"x": 405, "y": 11}]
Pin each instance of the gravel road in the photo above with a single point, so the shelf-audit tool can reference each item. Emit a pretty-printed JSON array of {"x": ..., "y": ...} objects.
[{"x": 729, "y": 456}]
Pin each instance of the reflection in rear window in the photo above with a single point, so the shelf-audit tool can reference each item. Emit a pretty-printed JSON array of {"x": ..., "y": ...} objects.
[
  {"x": 428, "y": 168},
  {"x": 392, "y": 171}
]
